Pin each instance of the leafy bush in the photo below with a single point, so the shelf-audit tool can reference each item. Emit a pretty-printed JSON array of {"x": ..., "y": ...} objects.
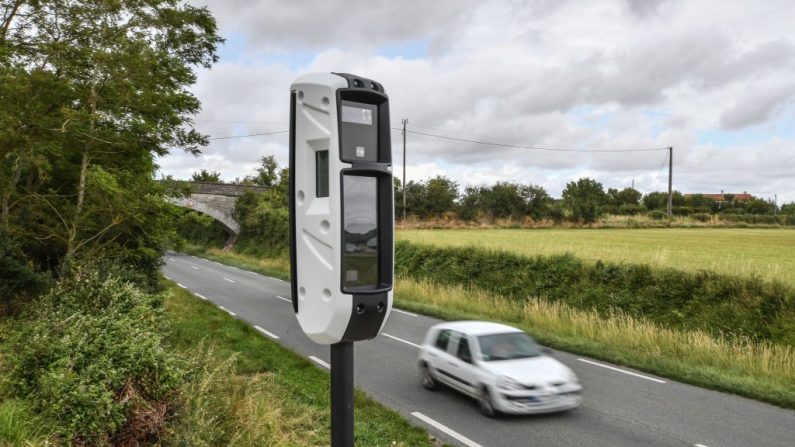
[
  {"x": 656, "y": 215},
  {"x": 730, "y": 305},
  {"x": 702, "y": 217},
  {"x": 90, "y": 357}
]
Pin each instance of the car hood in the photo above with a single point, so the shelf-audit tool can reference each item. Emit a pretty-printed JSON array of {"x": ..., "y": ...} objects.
[{"x": 530, "y": 371}]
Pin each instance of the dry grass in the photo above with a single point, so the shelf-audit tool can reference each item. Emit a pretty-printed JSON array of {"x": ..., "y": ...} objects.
[
  {"x": 764, "y": 371},
  {"x": 767, "y": 253},
  {"x": 221, "y": 407}
]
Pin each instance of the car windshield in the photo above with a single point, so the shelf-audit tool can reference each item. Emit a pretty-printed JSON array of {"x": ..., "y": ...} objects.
[{"x": 513, "y": 345}]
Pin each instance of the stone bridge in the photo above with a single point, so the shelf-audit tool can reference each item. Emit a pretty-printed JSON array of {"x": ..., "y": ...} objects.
[{"x": 217, "y": 200}]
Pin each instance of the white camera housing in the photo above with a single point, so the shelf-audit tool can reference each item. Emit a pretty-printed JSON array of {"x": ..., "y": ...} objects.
[{"x": 341, "y": 207}]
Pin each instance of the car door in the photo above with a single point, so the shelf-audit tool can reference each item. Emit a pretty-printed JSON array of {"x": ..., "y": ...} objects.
[
  {"x": 439, "y": 357},
  {"x": 465, "y": 369}
]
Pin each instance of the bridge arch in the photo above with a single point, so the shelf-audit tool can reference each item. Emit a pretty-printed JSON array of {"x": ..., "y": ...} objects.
[{"x": 217, "y": 200}]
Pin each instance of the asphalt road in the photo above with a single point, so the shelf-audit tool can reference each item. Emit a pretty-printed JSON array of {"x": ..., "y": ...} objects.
[{"x": 621, "y": 407}]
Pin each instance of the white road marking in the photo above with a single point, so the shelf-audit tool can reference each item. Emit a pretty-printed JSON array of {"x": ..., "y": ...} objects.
[
  {"x": 284, "y": 299},
  {"x": 234, "y": 267},
  {"x": 622, "y": 371},
  {"x": 269, "y": 334},
  {"x": 699, "y": 445},
  {"x": 227, "y": 279},
  {"x": 404, "y": 312},
  {"x": 319, "y": 362},
  {"x": 194, "y": 267},
  {"x": 167, "y": 277},
  {"x": 171, "y": 259},
  {"x": 200, "y": 296},
  {"x": 227, "y": 310},
  {"x": 447, "y": 430},
  {"x": 400, "y": 339},
  {"x": 181, "y": 286},
  {"x": 194, "y": 257}
]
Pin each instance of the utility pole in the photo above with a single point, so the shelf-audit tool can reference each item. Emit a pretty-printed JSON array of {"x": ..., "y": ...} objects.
[
  {"x": 775, "y": 204},
  {"x": 405, "y": 121},
  {"x": 670, "y": 180}
]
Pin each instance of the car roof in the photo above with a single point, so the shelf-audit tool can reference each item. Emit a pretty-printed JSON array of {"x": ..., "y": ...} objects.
[{"x": 477, "y": 327}]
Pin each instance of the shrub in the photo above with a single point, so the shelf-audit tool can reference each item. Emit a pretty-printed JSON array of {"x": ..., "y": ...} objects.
[
  {"x": 730, "y": 218},
  {"x": 656, "y": 215},
  {"x": 17, "y": 278},
  {"x": 722, "y": 304},
  {"x": 702, "y": 217},
  {"x": 90, "y": 357}
]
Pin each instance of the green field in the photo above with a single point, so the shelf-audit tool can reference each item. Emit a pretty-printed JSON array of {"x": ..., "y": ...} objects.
[{"x": 768, "y": 253}]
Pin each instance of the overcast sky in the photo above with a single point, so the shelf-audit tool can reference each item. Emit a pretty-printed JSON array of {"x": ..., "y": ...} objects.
[{"x": 713, "y": 79}]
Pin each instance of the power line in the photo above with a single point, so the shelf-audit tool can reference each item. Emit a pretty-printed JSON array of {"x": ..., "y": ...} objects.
[
  {"x": 535, "y": 148},
  {"x": 249, "y": 135}
]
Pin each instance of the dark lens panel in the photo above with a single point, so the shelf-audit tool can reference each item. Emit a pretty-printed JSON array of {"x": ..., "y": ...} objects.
[{"x": 360, "y": 237}]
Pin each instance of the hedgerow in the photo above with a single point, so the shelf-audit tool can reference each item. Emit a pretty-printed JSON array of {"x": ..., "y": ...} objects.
[{"x": 733, "y": 306}]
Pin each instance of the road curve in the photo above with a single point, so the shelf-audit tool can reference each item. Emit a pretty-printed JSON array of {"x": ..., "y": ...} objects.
[{"x": 622, "y": 407}]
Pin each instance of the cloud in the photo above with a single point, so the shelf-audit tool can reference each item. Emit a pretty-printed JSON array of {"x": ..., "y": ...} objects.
[{"x": 613, "y": 74}]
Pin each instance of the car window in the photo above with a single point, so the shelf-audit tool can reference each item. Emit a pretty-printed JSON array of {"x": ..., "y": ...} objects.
[
  {"x": 463, "y": 349},
  {"x": 443, "y": 339},
  {"x": 513, "y": 345}
]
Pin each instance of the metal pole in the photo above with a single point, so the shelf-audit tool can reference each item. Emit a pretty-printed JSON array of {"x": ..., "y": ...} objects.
[
  {"x": 405, "y": 121},
  {"x": 775, "y": 204},
  {"x": 670, "y": 180},
  {"x": 342, "y": 394}
]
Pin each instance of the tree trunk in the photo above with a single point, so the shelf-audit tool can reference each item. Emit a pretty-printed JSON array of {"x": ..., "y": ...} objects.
[
  {"x": 6, "y": 24},
  {"x": 71, "y": 245},
  {"x": 7, "y": 193}
]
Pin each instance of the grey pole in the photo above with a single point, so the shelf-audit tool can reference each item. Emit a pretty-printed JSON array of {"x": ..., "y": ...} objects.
[
  {"x": 670, "y": 180},
  {"x": 405, "y": 121}
]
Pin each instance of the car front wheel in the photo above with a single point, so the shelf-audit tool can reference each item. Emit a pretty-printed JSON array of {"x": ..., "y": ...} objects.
[
  {"x": 427, "y": 379},
  {"x": 485, "y": 404}
]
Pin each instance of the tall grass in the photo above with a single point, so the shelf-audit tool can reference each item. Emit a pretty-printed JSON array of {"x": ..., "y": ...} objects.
[
  {"x": 20, "y": 426},
  {"x": 248, "y": 390},
  {"x": 221, "y": 407},
  {"x": 761, "y": 370}
]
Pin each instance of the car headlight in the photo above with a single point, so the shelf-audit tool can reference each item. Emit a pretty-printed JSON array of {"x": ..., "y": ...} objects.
[{"x": 506, "y": 383}]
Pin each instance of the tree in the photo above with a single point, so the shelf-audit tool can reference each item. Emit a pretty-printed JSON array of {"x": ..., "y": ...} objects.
[
  {"x": 759, "y": 206},
  {"x": 583, "y": 198},
  {"x": 267, "y": 173},
  {"x": 93, "y": 91},
  {"x": 206, "y": 176},
  {"x": 440, "y": 196},
  {"x": 626, "y": 196}
]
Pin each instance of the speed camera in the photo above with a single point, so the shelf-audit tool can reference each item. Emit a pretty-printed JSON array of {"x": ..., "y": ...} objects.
[{"x": 341, "y": 206}]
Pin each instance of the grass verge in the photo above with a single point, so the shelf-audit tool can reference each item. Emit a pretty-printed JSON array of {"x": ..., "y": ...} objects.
[
  {"x": 762, "y": 371},
  {"x": 276, "y": 267},
  {"x": 276, "y": 397}
]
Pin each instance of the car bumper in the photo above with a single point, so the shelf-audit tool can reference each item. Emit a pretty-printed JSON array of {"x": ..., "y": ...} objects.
[{"x": 513, "y": 404}]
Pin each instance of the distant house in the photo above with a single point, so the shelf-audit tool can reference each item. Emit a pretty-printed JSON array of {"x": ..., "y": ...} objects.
[{"x": 744, "y": 197}]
